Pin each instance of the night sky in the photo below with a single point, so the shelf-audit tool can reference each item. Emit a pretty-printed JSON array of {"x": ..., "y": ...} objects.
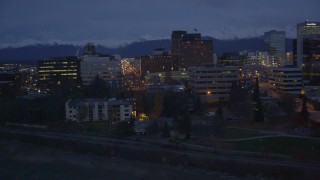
[{"x": 116, "y": 22}]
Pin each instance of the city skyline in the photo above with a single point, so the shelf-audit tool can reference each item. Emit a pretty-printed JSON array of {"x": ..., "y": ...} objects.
[{"x": 113, "y": 23}]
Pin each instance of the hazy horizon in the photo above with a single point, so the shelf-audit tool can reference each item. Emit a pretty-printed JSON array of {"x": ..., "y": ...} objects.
[{"x": 114, "y": 23}]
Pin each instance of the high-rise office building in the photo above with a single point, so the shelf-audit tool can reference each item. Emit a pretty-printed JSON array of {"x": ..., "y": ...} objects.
[
  {"x": 106, "y": 67},
  {"x": 191, "y": 49},
  {"x": 275, "y": 42},
  {"x": 158, "y": 61},
  {"x": 307, "y": 55},
  {"x": 275, "y": 45},
  {"x": 311, "y": 61},
  {"x": 175, "y": 42},
  {"x": 58, "y": 70},
  {"x": 305, "y": 30}
]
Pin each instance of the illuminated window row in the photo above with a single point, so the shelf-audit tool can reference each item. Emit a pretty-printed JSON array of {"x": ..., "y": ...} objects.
[
  {"x": 55, "y": 67},
  {"x": 69, "y": 74},
  {"x": 64, "y": 62},
  {"x": 60, "y": 70},
  {"x": 45, "y": 67}
]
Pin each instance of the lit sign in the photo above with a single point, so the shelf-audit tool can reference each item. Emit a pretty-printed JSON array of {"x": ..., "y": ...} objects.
[{"x": 311, "y": 24}]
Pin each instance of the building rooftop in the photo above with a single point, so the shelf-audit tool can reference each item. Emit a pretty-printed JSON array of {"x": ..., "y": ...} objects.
[{"x": 91, "y": 101}]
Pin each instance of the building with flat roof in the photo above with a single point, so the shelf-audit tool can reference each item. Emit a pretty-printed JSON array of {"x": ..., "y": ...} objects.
[
  {"x": 311, "y": 61},
  {"x": 191, "y": 49},
  {"x": 175, "y": 42},
  {"x": 58, "y": 71},
  {"x": 286, "y": 80},
  {"x": 82, "y": 110},
  {"x": 307, "y": 51},
  {"x": 106, "y": 67},
  {"x": 158, "y": 61},
  {"x": 275, "y": 42},
  {"x": 305, "y": 30},
  {"x": 212, "y": 82}
]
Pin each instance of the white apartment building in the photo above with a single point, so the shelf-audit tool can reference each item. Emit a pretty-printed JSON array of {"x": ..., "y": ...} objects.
[
  {"x": 98, "y": 110},
  {"x": 212, "y": 82},
  {"x": 286, "y": 80},
  {"x": 106, "y": 67}
]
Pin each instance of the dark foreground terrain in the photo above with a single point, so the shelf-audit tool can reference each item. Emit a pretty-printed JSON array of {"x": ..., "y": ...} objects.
[{"x": 27, "y": 161}]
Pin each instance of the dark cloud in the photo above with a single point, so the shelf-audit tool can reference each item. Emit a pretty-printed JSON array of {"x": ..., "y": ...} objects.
[{"x": 113, "y": 22}]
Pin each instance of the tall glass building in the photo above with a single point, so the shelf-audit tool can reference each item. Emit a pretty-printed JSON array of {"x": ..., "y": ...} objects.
[
  {"x": 275, "y": 42},
  {"x": 305, "y": 30},
  {"x": 308, "y": 51}
]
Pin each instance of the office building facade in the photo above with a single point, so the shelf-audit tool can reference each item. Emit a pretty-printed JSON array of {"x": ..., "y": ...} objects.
[
  {"x": 158, "y": 61},
  {"x": 191, "y": 49},
  {"x": 286, "y": 80},
  {"x": 308, "y": 51},
  {"x": 57, "y": 71},
  {"x": 105, "y": 67},
  {"x": 275, "y": 42},
  {"x": 212, "y": 82}
]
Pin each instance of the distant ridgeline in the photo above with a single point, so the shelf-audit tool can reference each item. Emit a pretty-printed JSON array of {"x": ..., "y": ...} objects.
[{"x": 32, "y": 53}]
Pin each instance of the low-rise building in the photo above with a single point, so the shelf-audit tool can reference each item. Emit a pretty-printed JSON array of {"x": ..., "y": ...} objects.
[{"x": 98, "y": 110}]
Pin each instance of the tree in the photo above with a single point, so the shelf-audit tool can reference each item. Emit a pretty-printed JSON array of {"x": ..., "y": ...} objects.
[
  {"x": 287, "y": 104},
  {"x": 219, "y": 128},
  {"x": 244, "y": 109},
  {"x": 258, "y": 112},
  {"x": 239, "y": 101},
  {"x": 98, "y": 89},
  {"x": 274, "y": 113},
  {"x": 124, "y": 128},
  {"x": 188, "y": 90},
  {"x": 83, "y": 112},
  {"x": 165, "y": 130},
  {"x": 148, "y": 103},
  {"x": 8, "y": 109},
  {"x": 184, "y": 125},
  {"x": 304, "y": 111},
  {"x": 237, "y": 94},
  {"x": 153, "y": 127},
  {"x": 132, "y": 120},
  {"x": 169, "y": 105},
  {"x": 198, "y": 105},
  {"x": 219, "y": 112}
]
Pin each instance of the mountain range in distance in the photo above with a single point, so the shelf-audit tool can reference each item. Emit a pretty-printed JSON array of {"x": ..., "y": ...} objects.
[{"x": 33, "y": 53}]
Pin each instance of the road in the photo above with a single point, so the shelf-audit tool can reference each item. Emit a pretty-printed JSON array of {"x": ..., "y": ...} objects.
[
  {"x": 191, "y": 150},
  {"x": 27, "y": 161}
]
